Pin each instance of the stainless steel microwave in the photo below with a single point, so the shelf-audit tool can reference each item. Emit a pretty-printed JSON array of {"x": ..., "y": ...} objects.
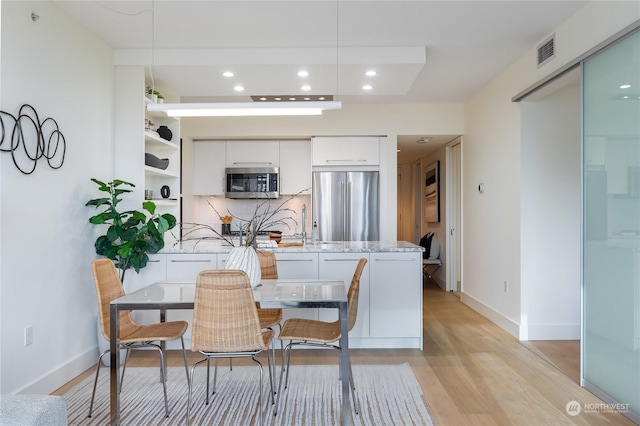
[{"x": 252, "y": 182}]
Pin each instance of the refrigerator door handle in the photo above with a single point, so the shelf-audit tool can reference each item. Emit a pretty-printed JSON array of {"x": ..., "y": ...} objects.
[
  {"x": 343, "y": 197},
  {"x": 347, "y": 208}
]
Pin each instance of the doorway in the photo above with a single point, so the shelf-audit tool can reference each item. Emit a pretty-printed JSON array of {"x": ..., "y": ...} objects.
[{"x": 454, "y": 216}]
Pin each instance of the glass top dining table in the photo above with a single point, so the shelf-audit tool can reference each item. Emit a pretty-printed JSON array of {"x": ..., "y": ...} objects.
[{"x": 164, "y": 295}]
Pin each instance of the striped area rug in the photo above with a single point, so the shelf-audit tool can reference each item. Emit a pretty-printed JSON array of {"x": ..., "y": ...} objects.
[{"x": 387, "y": 395}]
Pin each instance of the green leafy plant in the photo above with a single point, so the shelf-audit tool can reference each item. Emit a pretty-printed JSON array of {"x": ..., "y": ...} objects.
[{"x": 132, "y": 234}]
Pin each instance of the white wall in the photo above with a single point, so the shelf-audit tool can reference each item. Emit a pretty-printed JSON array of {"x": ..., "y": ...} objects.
[
  {"x": 551, "y": 211},
  {"x": 47, "y": 242},
  {"x": 492, "y": 154},
  {"x": 352, "y": 120}
]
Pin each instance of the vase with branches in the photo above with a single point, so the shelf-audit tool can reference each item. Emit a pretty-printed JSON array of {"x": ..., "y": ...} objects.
[
  {"x": 266, "y": 216},
  {"x": 243, "y": 256}
]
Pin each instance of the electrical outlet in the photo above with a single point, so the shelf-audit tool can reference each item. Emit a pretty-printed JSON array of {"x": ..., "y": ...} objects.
[
  {"x": 506, "y": 286},
  {"x": 28, "y": 335}
]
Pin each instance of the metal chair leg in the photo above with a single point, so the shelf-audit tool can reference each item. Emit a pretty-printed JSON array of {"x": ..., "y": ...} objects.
[
  {"x": 186, "y": 363},
  {"x": 260, "y": 388},
  {"x": 353, "y": 390},
  {"x": 287, "y": 353},
  {"x": 163, "y": 379},
  {"x": 95, "y": 382},
  {"x": 191, "y": 388}
]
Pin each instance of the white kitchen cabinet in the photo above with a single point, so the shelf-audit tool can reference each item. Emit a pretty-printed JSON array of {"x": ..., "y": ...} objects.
[
  {"x": 209, "y": 161},
  {"x": 253, "y": 153},
  {"x": 186, "y": 266},
  {"x": 341, "y": 266},
  {"x": 222, "y": 260},
  {"x": 293, "y": 266},
  {"x": 395, "y": 295},
  {"x": 295, "y": 167},
  {"x": 156, "y": 270},
  {"x": 346, "y": 151}
]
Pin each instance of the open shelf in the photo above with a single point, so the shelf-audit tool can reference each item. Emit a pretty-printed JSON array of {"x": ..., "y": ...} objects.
[
  {"x": 159, "y": 172},
  {"x": 164, "y": 201},
  {"x": 153, "y": 139}
]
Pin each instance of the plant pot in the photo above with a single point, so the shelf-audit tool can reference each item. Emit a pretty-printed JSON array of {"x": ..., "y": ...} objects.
[{"x": 245, "y": 259}]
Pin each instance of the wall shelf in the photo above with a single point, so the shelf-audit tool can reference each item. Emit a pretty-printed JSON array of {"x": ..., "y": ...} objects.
[
  {"x": 165, "y": 201},
  {"x": 159, "y": 172},
  {"x": 153, "y": 139}
]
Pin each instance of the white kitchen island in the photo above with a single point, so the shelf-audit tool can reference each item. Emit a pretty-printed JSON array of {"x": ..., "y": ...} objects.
[{"x": 390, "y": 300}]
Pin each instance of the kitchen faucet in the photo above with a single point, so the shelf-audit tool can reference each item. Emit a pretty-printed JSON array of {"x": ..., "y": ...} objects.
[{"x": 304, "y": 224}]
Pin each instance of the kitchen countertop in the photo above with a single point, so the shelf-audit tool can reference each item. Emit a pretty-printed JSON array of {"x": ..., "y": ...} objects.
[{"x": 219, "y": 246}]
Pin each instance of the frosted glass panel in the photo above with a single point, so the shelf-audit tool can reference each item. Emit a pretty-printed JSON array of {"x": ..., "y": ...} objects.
[{"x": 611, "y": 294}]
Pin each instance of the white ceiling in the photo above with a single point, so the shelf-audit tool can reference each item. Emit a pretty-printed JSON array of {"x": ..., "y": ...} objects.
[{"x": 423, "y": 51}]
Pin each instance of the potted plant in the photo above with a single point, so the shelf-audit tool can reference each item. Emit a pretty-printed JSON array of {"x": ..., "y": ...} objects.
[
  {"x": 131, "y": 235},
  {"x": 154, "y": 95}
]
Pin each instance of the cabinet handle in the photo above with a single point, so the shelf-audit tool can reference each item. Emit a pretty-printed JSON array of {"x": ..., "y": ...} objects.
[
  {"x": 341, "y": 260},
  {"x": 191, "y": 261},
  {"x": 294, "y": 260},
  {"x": 153, "y": 261},
  {"x": 394, "y": 260},
  {"x": 354, "y": 160},
  {"x": 252, "y": 162}
]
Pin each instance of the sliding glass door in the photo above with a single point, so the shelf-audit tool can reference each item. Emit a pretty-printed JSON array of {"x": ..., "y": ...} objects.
[{"x": 611, "y": 243}]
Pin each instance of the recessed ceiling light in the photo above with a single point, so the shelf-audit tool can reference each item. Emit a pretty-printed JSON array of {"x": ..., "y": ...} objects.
[
  {"x": 308, "y": 99},
  {"x": 292, "y": 98},
  {"x": 303, "y": 74},
  {"x": 371, "y": 73},
  {"x": 277, "y": 99},
  {"x": 367, "y": 87},
  {"x": 321, "y": 98},
  {"x": 238, "y": 89},
  {"x": 625, "y": 97},
  {"x": 625, "y": 86},
  {"x": 227, "y": 74},
  {"x": 263, "y": 99},
  {"x": 306, "y": 88}
]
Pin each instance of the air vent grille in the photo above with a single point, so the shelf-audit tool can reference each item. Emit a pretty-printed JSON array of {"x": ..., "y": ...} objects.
[{"x": 547, "y": 51}]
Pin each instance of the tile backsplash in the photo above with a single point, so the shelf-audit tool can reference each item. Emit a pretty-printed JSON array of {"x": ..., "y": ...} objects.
[{"x": 244, "y": 209}]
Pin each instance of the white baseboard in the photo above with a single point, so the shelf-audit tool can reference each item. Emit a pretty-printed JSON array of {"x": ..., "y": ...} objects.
[
  {"x": 523, "y": 331},
  {"x": 496, "y": 317},
  {"x": 63, "y": 374}
]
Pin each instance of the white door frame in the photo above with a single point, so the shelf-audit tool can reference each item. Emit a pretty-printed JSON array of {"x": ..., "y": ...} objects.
[
  {"x": 416, "y": 173},
  {"x": 454, "y": 232}
]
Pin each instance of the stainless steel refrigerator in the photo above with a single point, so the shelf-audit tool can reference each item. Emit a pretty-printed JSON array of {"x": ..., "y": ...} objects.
[{"x": 346, "y": 206}]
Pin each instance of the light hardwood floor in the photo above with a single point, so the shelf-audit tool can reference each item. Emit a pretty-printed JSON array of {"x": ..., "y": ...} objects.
[{"x": 471, "y": 372}]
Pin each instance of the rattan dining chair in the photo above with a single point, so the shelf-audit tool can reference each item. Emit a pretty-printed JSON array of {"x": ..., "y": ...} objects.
[
  {"x": 131, "y": 335},
  {"x": 317, "y": 333},
  {"x": 226, "y": 325},
  {"x": 270, "y": 317}
]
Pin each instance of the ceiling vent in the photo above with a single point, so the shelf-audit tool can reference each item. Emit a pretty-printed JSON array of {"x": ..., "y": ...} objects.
[{"x": 547, "y": 50}]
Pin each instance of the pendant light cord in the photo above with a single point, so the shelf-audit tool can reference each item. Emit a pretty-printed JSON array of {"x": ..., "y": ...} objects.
[
  {"x": 337, "y": 44},
  {"x": 153, "y": 45}
]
